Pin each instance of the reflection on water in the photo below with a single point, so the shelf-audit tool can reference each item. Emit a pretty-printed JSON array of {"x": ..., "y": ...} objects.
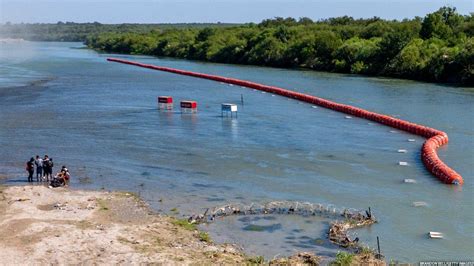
[
  {"x": 101, "y": 120},
  {"x": 231, "y": 127}
]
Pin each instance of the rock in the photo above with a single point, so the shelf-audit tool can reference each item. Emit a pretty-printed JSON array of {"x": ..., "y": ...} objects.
[{"x": 211, "y": 249}]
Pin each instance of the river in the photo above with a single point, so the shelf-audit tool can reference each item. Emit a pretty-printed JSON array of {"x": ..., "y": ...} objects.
[{"x": 101, "y": 120}]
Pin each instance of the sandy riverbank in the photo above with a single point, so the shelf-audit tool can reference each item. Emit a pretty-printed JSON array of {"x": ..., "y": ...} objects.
[
  {"x": 61, "y": 226},
  {"x": 40, "y": 225}
]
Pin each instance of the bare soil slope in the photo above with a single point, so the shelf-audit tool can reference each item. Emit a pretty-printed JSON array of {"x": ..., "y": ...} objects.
[{"x": 39, "y": 225}]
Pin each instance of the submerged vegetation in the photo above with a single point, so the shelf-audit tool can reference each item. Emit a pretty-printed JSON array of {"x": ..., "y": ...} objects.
[{"x": 436, "y": 48}]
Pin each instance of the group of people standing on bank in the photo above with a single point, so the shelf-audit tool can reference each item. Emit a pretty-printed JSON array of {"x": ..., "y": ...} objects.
[
  {"x": 44, "y": 168},
  {"x": 44, "y": 171}
]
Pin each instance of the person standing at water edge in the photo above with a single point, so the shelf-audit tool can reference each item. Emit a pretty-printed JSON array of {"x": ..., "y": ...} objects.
[
  {"x": 51, "y": 165},
  {"x": 39, "y": 168},
  {"x": 30, "y": 167},
  {"x": 48, "y": 167}
]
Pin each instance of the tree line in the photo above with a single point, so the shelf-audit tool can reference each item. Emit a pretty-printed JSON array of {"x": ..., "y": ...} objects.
[
  {"x": 79, "y": 32},
  {"x": 436, "y": 48}
]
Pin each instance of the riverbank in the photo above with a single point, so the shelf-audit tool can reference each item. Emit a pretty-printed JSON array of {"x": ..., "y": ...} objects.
[{"x": 43, "y": 225}]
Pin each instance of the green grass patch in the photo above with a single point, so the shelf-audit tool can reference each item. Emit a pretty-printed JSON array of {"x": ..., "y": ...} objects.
[
  {"x": 343, "y": 259},
  {"x": 203, "y": 236},
  {"x": 366, "y": 251},
  {"x": 256, "y": 260},
  {"x": 185, "y": 224}
]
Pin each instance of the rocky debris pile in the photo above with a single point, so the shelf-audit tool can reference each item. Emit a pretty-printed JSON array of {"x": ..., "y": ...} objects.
[
  {"x": 338, "y": 232},
  {"x": 338, "y": 235}
]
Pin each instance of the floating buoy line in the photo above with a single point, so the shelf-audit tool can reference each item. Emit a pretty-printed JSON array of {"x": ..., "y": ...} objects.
[{"x": 435, "y": 138}]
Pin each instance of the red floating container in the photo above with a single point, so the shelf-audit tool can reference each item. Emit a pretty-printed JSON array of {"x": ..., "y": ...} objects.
[
  {"x": 189, "y": 104},
  {"x": 165, "y": 99}
]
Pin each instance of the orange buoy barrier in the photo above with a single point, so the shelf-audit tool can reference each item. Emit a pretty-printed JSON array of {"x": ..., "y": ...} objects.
[{"x": 435, "y": 138}]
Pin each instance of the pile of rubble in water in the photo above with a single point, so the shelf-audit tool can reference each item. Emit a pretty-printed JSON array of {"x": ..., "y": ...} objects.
[{"x": 338, "y": 230}]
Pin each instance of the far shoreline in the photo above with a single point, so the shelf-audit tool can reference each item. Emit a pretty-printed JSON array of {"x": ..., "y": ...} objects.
[{"x": 297, "y": 69}]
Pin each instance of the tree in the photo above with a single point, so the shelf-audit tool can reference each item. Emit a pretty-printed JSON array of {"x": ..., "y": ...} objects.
[
  {"x": 394, "y": 41},
  {"x": 464, "y": 61},
  {"x": 375, "y": 29},
  {"x": 267, "y": 50},
  {"x": 440, "y": 24},
  {"x": 305, "y": 21},
  {"x": 356, "y": 55}
]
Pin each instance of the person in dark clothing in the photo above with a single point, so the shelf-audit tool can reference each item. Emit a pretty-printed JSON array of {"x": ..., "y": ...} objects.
[
  {"x": 30, "y": 167},
  {"x": 39, "y": 168},
  {"x": 51, "y": 165},
  {"x": 48, "y": 167}
]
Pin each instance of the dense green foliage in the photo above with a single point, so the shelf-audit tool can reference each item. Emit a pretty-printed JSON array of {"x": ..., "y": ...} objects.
[
  {"x": 437, "y": 48},
  {"x": 78, "y": 32}
]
